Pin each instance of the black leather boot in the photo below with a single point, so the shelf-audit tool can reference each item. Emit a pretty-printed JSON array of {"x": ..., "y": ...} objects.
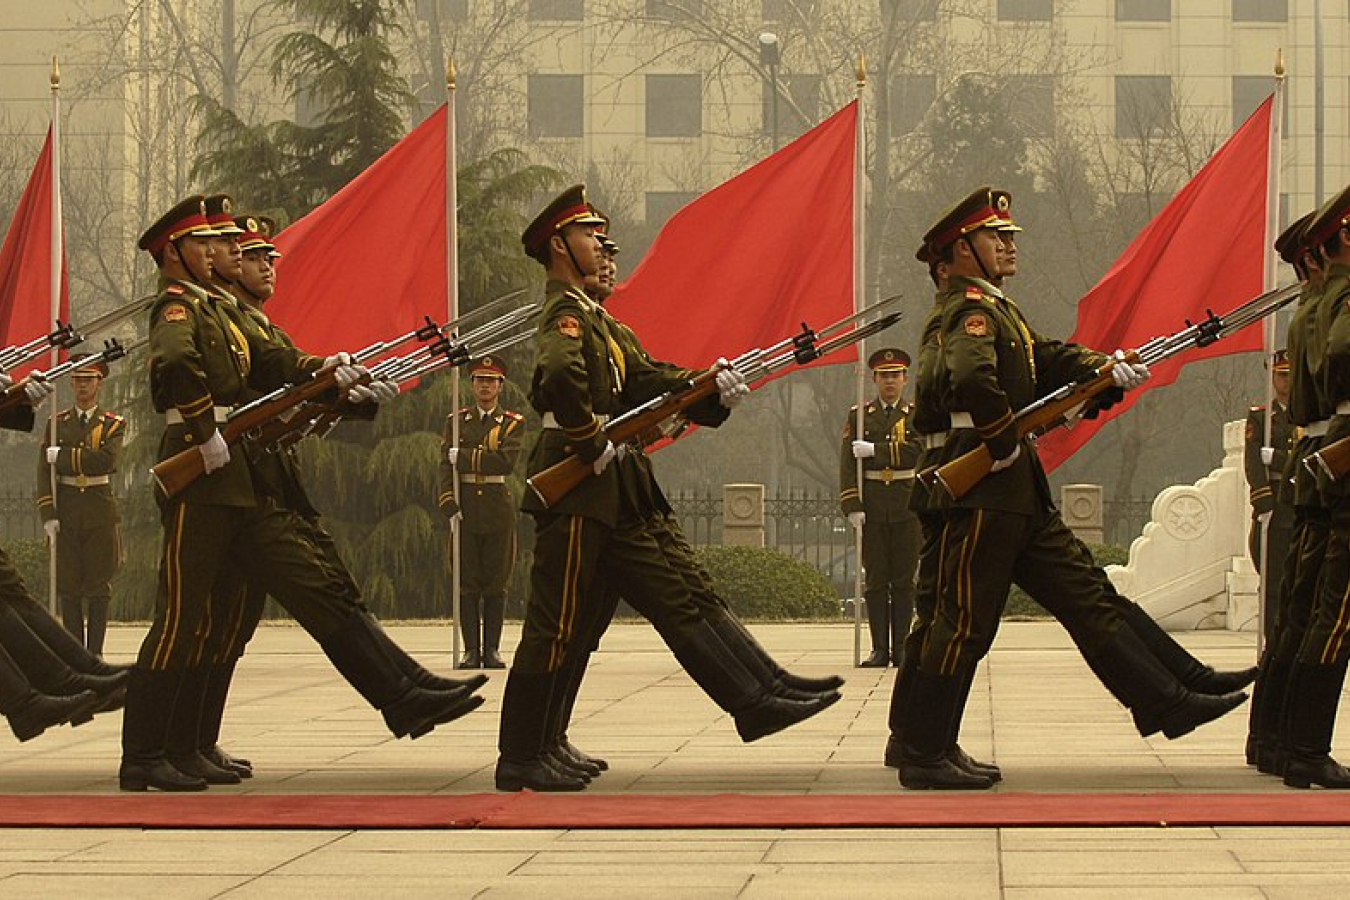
[
  {"x": 752, "y": 657},
  {"x": 733, "y": 633},
  {"x": 925, "y": 764},
  {"x": 470, "y": 628},
  {"x": 1269, "y": 722},
  {"x": 494, "y": 613},
  {"x": 150, "y": 699},
  {"x": 879, "y": 626},
  {"x": 522, "y": 741},
  {"x": 959, "y": 757},
  {"x": 60, "y": 641},
  {"x": 96, "y": 626},
  {"x": 182, "y": 740},
  {"x": 415, "y": 671},
  {"x": 1315, "y": 695},
  {"x": 218, "y": 680},
  {"x": 72, "y": 617},
  {"x": 1192, "y": 673}
]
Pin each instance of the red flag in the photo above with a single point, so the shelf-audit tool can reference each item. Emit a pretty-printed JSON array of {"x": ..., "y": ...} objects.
[
  {"x": 369, "y": 263},
  {"x": 742, "y": 266},
  {"x": 26, "y": 261},
  {"x": 1206, "y": 249}
]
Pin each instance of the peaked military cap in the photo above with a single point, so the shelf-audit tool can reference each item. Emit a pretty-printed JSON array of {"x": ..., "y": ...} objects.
[
  {"x": 978, "y": 210},
  {"x": 93, "y": 370},
  {"x": 488, "y": 367},
  {"x": 256, "y": 233},
  {"x": 568, "y": 208},
  {"x": 220, "y": 213},
  {"x": 888, "y": 359},
  {"x": 607, "y": 243},
  {"x": 1003, "y": 209},
  {"x": 1329, "y": 219},
  {"x": 1292, "y": 241},
  {"x": 1279, "y": 361},
  {"x": 188, "y": 216}
]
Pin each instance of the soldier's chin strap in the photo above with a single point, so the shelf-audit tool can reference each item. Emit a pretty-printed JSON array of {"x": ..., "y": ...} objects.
[
  {"x": 573, "y": 257},
  {"x": 203, "y": 280},
  {"x": 978, "y": 261}
]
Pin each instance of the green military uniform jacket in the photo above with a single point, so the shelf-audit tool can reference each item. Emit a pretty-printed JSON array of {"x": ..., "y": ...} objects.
[
  {"x": 84, "y": 497},
  {"x": 990, "y": 364},
  {"x": 1334, "y": 310},
  {"x": 888, "y": 477},
  {"x": 205, "y": 353},
  {"x": 489, "y": 449},
  {"x": 1264, "y": 482},
  {"x": 1307, "y": 340},
  {"x": 583, "y": 375}
]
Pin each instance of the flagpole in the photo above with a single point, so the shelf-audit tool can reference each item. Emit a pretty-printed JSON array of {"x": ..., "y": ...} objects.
[
  {"x": 859, "y": 237},
  {"x": 452, "y": 312},
  {"x": 55, "y": 304},
  {"x": 1270, "y": 276}
]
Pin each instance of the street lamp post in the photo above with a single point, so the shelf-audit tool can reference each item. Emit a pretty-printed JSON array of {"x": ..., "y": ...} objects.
[{"x": 770, "y": 55}]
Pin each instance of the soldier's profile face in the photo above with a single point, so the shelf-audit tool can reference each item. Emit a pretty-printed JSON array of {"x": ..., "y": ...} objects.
[
  {"x": 226, "y": 258},
  {"x": 585, "y": 247},
  {"x": 195, "y": 254},
  {"x": 256, "y": 274},
  {"x": 1007, "y": 260}
]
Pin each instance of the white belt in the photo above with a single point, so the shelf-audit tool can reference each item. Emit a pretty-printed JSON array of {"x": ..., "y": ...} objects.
[
  {"x": 962, "y": 420},
  {"x": 933, "y": 441},
  {"x": 1343, "y": 408},
  {"x": 889, "y": 475},
  {"x": 1317, "y": 429},
  {"x": 939, "y": 439},
  {"x": 473, "y": 478},
  {"x": 81, "y": 481},
  {"x": 550, "y": 422},
  {"x": 222, "y": 415}
]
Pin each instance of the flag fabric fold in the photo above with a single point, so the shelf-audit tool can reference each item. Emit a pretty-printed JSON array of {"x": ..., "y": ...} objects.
[
  {"x": 1205, "y": 250},
  {"x": 370, "y": 262},
  {"x": 744, "y": 265},
  {"x": 26, "y": 260}
]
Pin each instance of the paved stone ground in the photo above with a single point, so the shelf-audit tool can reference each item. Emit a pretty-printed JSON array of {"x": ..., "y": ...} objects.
[{"x": 1035, "y": 708}]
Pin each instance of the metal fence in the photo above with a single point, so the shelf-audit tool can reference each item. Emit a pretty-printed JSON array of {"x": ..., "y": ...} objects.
[{"x": 18, "y": 516}]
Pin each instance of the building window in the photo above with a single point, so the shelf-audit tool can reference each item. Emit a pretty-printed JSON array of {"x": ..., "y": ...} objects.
[
  {"x": 555, "y": 107},
  {"x": 1143, "y": 105},
  {"x": 1249, "y": 92},
  {"x": 787, "y": 12},
  {"x": 911, "y": 98},
  {"x": 1143, "y": 10},
  {"x": 1031, "y": 103},
  {"x": 674, "y": 106},
  {"x": 661, "y": 205},
  {"x": 555, "y": 10},
  {"x": 1026, "y": 10},
  {"x": 1260, "y": 10},
  {"x": 442, "y": 10},
  {"x": 675, "y": 10},
  {"x": 798, "y": 107}
]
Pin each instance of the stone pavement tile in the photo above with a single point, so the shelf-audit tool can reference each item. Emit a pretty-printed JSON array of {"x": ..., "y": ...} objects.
[
  {"x": 1171, "y": 892},
  {"x": 31, "y": 886},
  {"x": 953, "y": 848},
  {"x": 379, "y": 866},
  {"x": 919, "y": 882},
  {"x": 408, "y": 886},
  {"x": 533, "y": 888},
  {"x": 1330, "y": 889}
]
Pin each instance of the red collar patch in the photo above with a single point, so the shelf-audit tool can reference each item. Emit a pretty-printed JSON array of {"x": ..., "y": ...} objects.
[{"x": 974, "y": 293}]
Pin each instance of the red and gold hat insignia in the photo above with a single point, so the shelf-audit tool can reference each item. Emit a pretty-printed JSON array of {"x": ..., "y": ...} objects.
[
  {"x": 487, "y": 361},
  {"x": 977, "y": 325}
]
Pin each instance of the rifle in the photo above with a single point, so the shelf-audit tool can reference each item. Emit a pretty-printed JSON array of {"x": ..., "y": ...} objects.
[
  {"x": 649, "y": 420},
  {"x": 1066, "y": 405},
  {"x": 13, "y": 395},
  {"x": 17, "y": 355}
]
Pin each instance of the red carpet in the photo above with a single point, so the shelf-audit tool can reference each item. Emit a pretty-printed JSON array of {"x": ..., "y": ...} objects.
[{"x": 527, "y": 810}]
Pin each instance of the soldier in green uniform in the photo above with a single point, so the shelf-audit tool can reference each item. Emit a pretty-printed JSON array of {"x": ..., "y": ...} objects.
[
  {"x": 582, "y": 377},
  {"x": 880, "y": 505},
  {"x": 989, "y": 364},
  {"x": 81, "y": 518},
  {"x": 1272, "y": 504},
  {"x": 1318, "y": 673},
  {"x": 473, "y": 487},
  {"x": 1309, "y": 413},
  {"x": 205, "y": 358}
]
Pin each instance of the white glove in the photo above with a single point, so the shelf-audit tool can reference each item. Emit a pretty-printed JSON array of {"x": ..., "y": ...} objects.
[
  {"x": 864, "y": 449},
  {"x": 1001, "y": 464},
  {"x": 346, "y": 376},
  {"x": 51, "y": 526},
  {"x": 857, "y": 519},
  {"x": 1264, "y": 518},
  {"x": 452, "y": 455},
  {"x": 1128, "y": 376},
  {"x": 375, "y": 392},
  {"x": 5, "y": 381},
  {"x": 36, "y": 389},
  {"x": 1267, "y": 455},
  {"x": 605, "y": 458},
  {"x": 215, "y": 452},
  {"x": 731, "y": 386},
  {"x": 52, "y": 454},
  {"x": 337, "y": 359}
]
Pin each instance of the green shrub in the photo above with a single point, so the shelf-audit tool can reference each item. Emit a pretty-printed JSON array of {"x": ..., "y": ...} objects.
[
  {"x": 1020, "y": 606},
  {"x": 30, "y": 558},
  {"x": 763, "y": 583}
]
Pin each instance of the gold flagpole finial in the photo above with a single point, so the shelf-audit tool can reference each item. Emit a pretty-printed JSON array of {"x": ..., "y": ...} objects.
[
  {"x": 56, "y": 74},
  {"x": 449, "y": 74},
  {"x": 861, "y": 74},
  {"x": 1279, "y": 62}
]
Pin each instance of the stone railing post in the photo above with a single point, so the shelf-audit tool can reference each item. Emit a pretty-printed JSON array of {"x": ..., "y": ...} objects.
[
  {"x": 1081, "y": 505},
  {"x": 743, "y": 515}
]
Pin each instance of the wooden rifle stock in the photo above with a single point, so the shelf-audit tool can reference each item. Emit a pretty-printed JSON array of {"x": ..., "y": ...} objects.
[
  {"x": 178, "y": 472},
  {"x": 1333, "y": 460},
  {"x": 555, "y": 482},
  {"x": 959, "y": 476}
]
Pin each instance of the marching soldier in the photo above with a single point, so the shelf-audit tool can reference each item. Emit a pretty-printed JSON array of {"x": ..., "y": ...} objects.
[
  {"x": 1271, "y": 501},
  {"x": 473, "y": 486},
  {"x": 880, "y": 506},
  {"x": 83, "y": 521}
]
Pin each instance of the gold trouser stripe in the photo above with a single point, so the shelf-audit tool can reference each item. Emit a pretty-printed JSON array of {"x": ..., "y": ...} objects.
[
  {"x": 567, "y": 610},
  {"x": 938, "y": 585},
  {"x": 965, "y": 591},
  {"x": 239, "y": 595},
  {"x": 1336, "y": 639},
  {"x": 173, "y": 578}
]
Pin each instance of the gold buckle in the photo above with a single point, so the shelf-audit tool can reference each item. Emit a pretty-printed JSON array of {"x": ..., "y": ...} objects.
[
  {"x": 886, "y": 476},
  {"x": 81, "y": 481}
]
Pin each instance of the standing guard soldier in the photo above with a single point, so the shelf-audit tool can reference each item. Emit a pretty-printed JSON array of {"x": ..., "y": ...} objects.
[
  {"x": 1270, "y": 495},
  {"x": 888, "y": 449},
  {"x": 473, "y": 486},
  {"x": 83, "y": 520}
]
